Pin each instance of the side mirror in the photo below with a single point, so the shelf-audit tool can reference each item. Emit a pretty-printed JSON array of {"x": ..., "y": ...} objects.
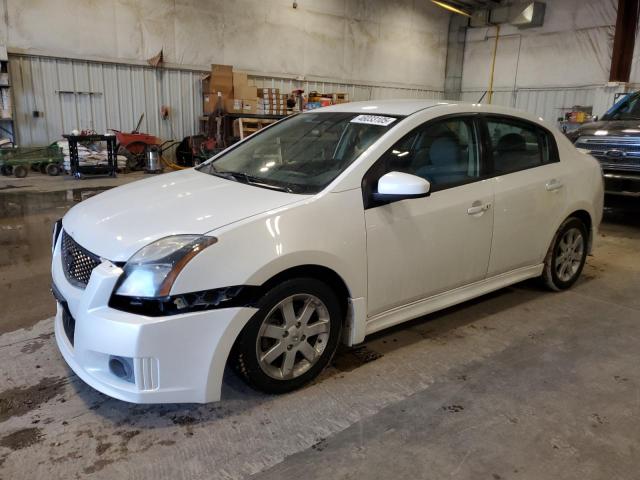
[{"x": 395, "y": 186}]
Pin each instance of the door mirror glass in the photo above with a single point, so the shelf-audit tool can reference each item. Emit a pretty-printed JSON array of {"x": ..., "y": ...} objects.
[{"x": 398, "y": 185}]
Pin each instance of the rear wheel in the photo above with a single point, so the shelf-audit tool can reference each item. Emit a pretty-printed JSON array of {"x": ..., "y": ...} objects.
[
  {"x": 291, "y": 338},
  {"x": 566, "y": 256},
  {"x": 53, "y": 169},
  {"x": 20, "y": 171}
]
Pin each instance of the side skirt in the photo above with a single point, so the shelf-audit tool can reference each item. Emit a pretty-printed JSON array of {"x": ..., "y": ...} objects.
[{"x": 446, "y": 299}]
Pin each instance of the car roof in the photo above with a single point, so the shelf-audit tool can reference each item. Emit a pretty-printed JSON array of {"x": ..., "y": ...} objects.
[{"x": 406, "y": 107}]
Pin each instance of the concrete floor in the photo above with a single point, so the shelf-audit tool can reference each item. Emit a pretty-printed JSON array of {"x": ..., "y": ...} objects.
[{"x": 520, "y": 384}]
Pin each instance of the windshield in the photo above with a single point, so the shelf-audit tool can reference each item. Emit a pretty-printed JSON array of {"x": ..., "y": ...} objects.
[
  {"x": 626, "y": 109},
  {"x": 303, "y": 153}
]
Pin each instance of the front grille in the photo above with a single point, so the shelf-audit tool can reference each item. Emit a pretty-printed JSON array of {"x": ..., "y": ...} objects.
[
  {"x": 613, "y": 152},
  {"x": 77, "y": 262}
]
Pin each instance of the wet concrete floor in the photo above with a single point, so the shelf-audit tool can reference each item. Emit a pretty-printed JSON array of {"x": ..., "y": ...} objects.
[
  {"x": 28, "y": 208},
  {"x": 521, "y": 384}
]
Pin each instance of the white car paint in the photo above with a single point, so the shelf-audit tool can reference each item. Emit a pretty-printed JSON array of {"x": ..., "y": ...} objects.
[{"x": 397, "y": 262}]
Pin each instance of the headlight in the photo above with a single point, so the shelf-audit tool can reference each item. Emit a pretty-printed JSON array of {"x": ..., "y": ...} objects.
[{"x": 151, "y": 271}]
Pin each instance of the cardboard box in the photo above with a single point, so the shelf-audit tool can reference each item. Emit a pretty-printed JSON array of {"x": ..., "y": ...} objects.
[
  {"x": 210, "y": 101},
  {"x": 237, "y": 105},
  {"x": 249, "y": 105},
  {"x": 221, "y": 70},
  {"x": 233, "y": 105},
  {"x": 244, "y": 91},
  {"x": 271, "y": 101},
  {"x": 219, "y": 80},
  {"x": 266, "y": 92},
  {"x": 211, "y": 84},
  {"x": 240, "y": 80}
]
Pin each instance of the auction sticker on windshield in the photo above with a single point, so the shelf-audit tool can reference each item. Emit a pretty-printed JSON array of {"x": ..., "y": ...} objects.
[{"x": 374, "y": 120}]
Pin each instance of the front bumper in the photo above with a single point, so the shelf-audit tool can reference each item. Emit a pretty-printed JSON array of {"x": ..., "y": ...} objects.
[
  {"x": 178, "y": 358},
  {"x": 622, "y": 183}
]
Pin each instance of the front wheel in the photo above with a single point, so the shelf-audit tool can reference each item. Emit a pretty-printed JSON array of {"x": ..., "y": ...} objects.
[
  {"x": 291, "y": 338},
  {"x": 566, "y": 256}
]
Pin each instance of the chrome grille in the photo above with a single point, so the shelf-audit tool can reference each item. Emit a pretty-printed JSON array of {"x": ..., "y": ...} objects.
[
  {"x": 622, "y": 153},
  {"x": 77, "y": 262}
]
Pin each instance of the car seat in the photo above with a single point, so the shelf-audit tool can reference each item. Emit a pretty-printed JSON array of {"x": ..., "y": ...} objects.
[
  {"x": 511, "y": 153},
  {"x": 447, "y": 164}
]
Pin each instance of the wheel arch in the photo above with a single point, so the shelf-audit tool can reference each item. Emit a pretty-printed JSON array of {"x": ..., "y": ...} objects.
[
  {"x": 586, "y": 218},
  {"x": 319, "y": 272}
]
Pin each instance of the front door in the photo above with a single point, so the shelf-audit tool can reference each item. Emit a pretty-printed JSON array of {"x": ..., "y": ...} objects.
[{"x": 420, "y": 247}]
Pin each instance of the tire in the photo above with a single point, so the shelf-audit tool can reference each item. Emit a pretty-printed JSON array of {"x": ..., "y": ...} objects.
[
  {"x": 6, "y": 170},
  {"x": 20, "y": 171},
  {"x": 287, "y": 337},
  {"x": 558, "y": 274},
  {"x": 53, "y": 169}
]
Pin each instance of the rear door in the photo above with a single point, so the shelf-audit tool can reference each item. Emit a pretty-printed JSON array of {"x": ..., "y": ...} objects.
[{"x": 530, "y": 191}]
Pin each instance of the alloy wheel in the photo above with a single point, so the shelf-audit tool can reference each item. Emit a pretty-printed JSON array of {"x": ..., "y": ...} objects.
[
  {"x": 293, "y": 336},
  {"x": 569, "y": 254}
]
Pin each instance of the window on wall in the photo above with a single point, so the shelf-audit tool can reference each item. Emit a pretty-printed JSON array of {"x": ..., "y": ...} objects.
[
  {"x": 517, "y": 145},
  {"x": 445, "y": 153}
]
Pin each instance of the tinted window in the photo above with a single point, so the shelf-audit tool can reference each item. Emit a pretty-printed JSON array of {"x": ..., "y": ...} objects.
[
  {"x": 517, "y": 145},
  {"x": 445, "y": 153}
]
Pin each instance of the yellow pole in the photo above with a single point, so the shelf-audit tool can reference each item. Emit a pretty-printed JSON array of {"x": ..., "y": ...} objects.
[{"x": 493, "y": 63}]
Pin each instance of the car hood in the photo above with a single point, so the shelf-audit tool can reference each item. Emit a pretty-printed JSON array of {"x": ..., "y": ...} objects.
[
  {"x": 117, "y": 223},
  {"x": 617, "y": 128}
]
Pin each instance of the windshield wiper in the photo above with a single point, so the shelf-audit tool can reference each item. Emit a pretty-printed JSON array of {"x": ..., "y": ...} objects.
[{"x": 250, "y": 180}]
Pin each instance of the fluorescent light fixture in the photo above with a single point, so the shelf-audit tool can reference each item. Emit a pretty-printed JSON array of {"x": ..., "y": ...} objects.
[{"x": 451, "y": 8}]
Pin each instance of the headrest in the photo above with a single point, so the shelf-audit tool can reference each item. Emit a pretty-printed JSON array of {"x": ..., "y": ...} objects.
[{"x": 512, "y": 142}]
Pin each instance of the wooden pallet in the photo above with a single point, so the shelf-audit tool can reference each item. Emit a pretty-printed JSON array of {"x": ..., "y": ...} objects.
[{"x": 243, "y": 127}]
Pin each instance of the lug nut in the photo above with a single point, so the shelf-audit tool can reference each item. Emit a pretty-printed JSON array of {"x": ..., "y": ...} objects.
[{"x": 289, "y": 347}]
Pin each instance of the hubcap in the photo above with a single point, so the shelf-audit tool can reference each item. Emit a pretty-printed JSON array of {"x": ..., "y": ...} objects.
[
  {"x": 293, "y": 336},
  {"x": 569, "y": 254}
]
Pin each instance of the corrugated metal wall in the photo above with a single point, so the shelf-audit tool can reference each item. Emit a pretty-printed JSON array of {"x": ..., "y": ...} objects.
[
  {"x": 92, "y": 95},
  {"x": 89, "y": 95},
  {"x": 548, "y": 103}
]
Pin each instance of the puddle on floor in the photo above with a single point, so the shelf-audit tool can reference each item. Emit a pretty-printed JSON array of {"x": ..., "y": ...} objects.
[{"x": 26, "y": 219}]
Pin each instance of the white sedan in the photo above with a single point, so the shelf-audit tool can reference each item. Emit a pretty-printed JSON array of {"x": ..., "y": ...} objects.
[{"x": 323, "y": 228}]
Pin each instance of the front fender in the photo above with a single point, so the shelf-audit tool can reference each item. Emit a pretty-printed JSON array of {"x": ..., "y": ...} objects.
[{"x": 328, "y": 231}]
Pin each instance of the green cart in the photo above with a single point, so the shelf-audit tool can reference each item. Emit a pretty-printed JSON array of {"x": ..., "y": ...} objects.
[{"x": 18, "y": 161}]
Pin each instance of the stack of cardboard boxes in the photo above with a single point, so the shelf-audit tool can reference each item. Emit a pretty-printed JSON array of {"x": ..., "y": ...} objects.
[
  {"x": 231, "y": 89},
  {"x": 271, "y": 102},
  {"x": 217, "y": 86}
]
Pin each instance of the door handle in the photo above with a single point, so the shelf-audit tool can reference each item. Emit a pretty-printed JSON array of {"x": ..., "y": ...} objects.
[
  {"x": 553, "y": 185},
  {"x": 478, "y": 207}
]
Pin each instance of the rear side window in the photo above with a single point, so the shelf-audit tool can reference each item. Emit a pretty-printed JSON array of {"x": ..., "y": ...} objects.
[{"x": 517, "y": 145}]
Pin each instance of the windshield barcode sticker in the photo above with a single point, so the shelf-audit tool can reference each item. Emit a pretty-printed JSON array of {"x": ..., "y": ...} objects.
[{"x": 374, "y": 120}]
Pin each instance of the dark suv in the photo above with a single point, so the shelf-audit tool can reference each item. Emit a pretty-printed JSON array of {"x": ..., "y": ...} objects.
[{"x": 615, "y": 142}]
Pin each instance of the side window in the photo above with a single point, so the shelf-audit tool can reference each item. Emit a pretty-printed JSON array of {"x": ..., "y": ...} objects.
[
  {"x": 517, "y": 145},
  {"x": 444, "y": 152}
]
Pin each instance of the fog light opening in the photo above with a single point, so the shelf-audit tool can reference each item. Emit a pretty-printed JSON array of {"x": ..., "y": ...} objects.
[{"x": 122, "y": 368}]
